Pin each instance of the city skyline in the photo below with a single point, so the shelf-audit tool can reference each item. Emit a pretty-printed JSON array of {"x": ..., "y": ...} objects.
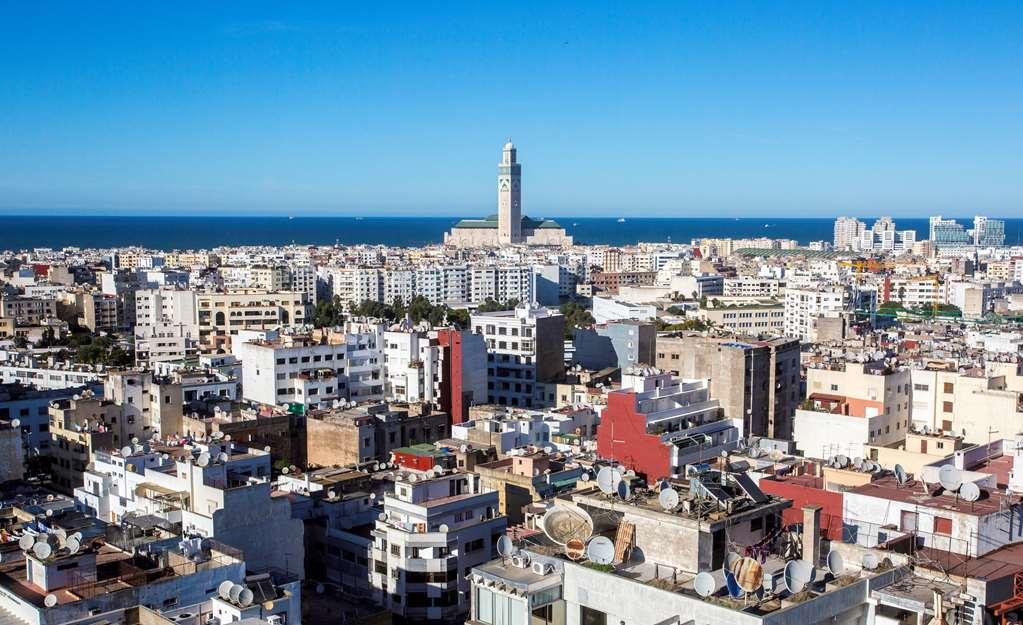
[{"x": 675, "y": 111}]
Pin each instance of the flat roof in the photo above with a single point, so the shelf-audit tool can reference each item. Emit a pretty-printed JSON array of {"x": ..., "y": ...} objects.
[{"x": 912, "y": 492}]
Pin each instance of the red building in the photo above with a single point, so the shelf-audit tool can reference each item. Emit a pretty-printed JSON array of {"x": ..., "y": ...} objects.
[
  {"x": 656, "y": 425},
  {"x": 422, "y": 457},
  {"x": 463, "y": 372}
]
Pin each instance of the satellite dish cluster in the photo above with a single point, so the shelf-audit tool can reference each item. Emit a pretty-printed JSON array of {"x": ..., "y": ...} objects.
[
  {"x": 235, "y": 594},
  {"x": 854, "y": 464},
  {"x": 45, "y": 545}
]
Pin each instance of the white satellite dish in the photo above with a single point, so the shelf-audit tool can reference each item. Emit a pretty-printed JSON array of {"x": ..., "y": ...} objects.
[
  {"x": 704, "y": 584},
  {"x": 236, "y": 592},
  {"x": 841, "y": 461},
  {"x": 443, "y": 528},
  {"x": 797, "y": 575},
  {"x": 969, "y": 491},
  {"x": 15, "y": 423},
  {"x": 605, "y": 480},
  {"x": 585, "y": 477},
  {"x": 134, "y": 440},
  {"x": 224, "y": 589},
  {"x": 285, "y": 470},
  {"x": 42, "y": 550},
  {"x": 245, "y": 598},
  {"x": 223, "y": 457},
  {"x": 203, "y": 459},
  {"x": 950, "y": 477},
  {"x": 267, "y": 449},
  {"x": 600, "y": 550},
  {"x": 126, "y": 451},
  {"x": 668, "y": 499},
  {"x": 869, "y": 561},
  {"x": 50, "y": 600},
  {"x": 505, "y": 547},
  {"x": 836, "y": 563},
  {"x": 26, "y": 541},
  {"x": 72, "y": 544},
  {"x": 730, "y": 559}
]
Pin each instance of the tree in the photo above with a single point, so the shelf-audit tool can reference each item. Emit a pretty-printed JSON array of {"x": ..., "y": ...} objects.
[
  {"x": 328, "y": 313},
  {"x": 459, "y": 318},
  {"x": 491, "y": 305},
  {"x": 576, "y": 316}
]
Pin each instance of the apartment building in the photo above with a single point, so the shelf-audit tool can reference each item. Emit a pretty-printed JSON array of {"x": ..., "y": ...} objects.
[
  {"x": 27, "y": 310},
  {"x": 525, "y": 346},
  {"x": 746, "y": 317},
  {"x": 973, "y": 404},
  {"x": 851, "y": 405},
  {"x": 656, "y": 424},
  {"x": 370, "y": 432},
  {"x": 434, "y": 528},
  {"x": 806, "y": 306},
  {"x": 222, "y": 314},
  {"x": 755, "y": 381}
]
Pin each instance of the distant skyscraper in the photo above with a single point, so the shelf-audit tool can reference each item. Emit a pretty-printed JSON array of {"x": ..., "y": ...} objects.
[
  {"x": 948, "y": 233},
  {"x": 848, "y": 231},
  {"x": 509, "y": 197},
  {"x": 988, "y": 232}
]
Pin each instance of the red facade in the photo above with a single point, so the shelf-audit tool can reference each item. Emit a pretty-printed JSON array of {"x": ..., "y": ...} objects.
[
  {"x": 805, "y": 490},
  {"x": 452, "y": 395},
  {"x": 419, "y": 462},
  {"x": 622, "y": 436}
]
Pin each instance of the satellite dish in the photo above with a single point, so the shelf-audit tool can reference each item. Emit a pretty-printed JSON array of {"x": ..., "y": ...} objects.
[
  {"x": 869, "y": 561},
  {"x": 836, "y": 563},
  {"x": 704, "y": 584},
  {"x": 950, "y": 477},
  {"x": 668, "y": 499},
  {"x": 26, "y": 541},
  {"x": 223, "y": 457},
  {"x": 605, "y": 480},
  {"x": 900, "y": 475},
  {"x": 42, "y": 550},
  {"x": 857, "y": 461},
  {"x": 734, "y": 591},
  {"x": 203, "y": 459},
  {"x": 623, "y": 490},
  {"x": 841, "y": 461},
  {"x": 748, "y": 574},
  {"x": 285, "y": 470},
  {"x": 505, "y": 547},
  {"x": 72, "y": 544},
  {"x": 600, "y": 550},
  {"x": 126, "y": 451},
  {"x": 267, "y": 449},
  {"x": 134, "y": 440},
  {"x": 235, "y": 593},
  {"x": 585, "y": 477},
  {"x": 49, "y": 513},
  {"x": 50, "y": 600},
  {"x": 224, "y": 589},
  {"x": 575, "y": 549},
  {"x": 443, "y": 528},
  {"x": 15, "y": 423},
  {"x": 245, "y": 598},
  {"x": 320, "y": 588},
  {"x": 777, "y": 454},
  {"x": 797, "y": 575},
  {"x": 563, "y": 523},
  {"x": 969, "y": 491},
  {"x": 730, "y": 559}
]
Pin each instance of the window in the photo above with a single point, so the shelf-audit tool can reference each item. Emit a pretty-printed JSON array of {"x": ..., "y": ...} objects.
[
  {"x": 908, "y": 522},
  {"x": 942, "y": 526},
  {"x": 949, "y": 387},
  {"x": 946, "y": 406},
  {"x": 589, "y": 616}
]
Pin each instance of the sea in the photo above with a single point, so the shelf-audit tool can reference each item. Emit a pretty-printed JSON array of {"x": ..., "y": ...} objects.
[{"x": 25, "y": 232}]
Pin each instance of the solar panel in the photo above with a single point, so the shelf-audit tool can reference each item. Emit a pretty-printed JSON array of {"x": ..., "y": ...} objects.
[{"x": 748, "y": 487}]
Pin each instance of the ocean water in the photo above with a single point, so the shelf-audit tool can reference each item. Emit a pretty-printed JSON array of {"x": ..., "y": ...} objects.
[{"x": 23, "y": 232}]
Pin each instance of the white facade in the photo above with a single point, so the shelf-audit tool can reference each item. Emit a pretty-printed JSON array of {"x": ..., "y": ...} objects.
[{"x": 803, "y": 307}]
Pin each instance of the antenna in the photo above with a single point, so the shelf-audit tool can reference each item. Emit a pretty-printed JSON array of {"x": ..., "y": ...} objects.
[
  {"x": 797, "y": 575},
  {"x": 950, "y": 477},
  {"x": 505, "y": 547},
  {"x": 245, "y": 598},
  {"x": 600, "y": 550},
  {"x": 704, "y": 584},
  {"x": 836, "y": 563},
  {"x": 970, "y": 491},
  {"x": 900, "y": 475},
  {"x": 869, "y": 561},
  {"x": 668, "y": 499},
  {"x": 749, "y": 575}
]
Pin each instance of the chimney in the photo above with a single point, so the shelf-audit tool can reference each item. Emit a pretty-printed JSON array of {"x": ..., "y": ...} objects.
[{"x": 812, "y": 534}]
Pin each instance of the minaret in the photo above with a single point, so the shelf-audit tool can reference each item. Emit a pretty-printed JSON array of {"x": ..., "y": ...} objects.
[{"x": 509, "y": 197}]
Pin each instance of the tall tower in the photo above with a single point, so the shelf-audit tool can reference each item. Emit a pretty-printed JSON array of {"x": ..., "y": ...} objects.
[{"x": 509, "y": 197}]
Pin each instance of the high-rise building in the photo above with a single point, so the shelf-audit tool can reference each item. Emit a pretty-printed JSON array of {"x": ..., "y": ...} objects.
[
  {"x": 848, "y": 231},
  {"x": 988, "y": 232},
  {"x": 947, "y": 233}
]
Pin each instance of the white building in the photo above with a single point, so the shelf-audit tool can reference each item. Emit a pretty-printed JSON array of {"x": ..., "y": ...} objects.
[
  {"x": 411, "y": 362},
  {"x": 805, "y": 306},
  {"x": 434, "y": 528},
  {"x": 606, "y": 309}
]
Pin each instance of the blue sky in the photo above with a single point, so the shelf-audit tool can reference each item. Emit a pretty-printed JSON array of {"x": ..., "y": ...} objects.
[{"x": 659, "y": 109}]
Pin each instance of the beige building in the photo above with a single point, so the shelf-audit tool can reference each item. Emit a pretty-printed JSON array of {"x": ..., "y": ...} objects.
[
  {"x": 751, "y": 317},
  {"x": 509, "y": 226},
  {"x": 78, "y": 427},
  {"x": 223, "y": 313},
  {"x": 976, "y": 405}
]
